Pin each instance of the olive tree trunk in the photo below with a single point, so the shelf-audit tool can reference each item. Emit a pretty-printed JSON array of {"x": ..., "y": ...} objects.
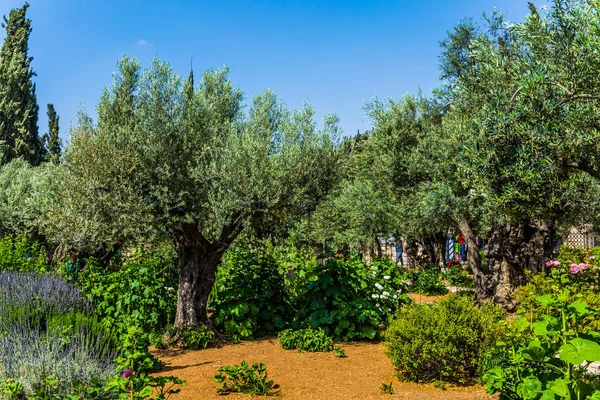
[
  {"x": 482, "y": 279},
  {"x": 196, "y": 279},
  {"x": 512, "y": 250},
  {"x": 199, "y": 260}
]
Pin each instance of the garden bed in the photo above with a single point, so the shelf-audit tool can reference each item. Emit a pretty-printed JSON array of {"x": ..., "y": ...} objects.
[{"x": 304, "y": 375}]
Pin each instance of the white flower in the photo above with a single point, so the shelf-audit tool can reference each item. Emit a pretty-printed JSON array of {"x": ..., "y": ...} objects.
[
  {"x": 387, "y": 277},
  {"x": 395, "y": 296},
  {"x": 375, "y": 296},
  {"x": 378, "y": 286},
  {"x": 377, "y": 305},
  {"x": 385, "y": 295}
]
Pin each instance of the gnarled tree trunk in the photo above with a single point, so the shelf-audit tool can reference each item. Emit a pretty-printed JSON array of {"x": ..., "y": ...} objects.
[
  {"x": 483, "y": 289},
  {"x": 199, "y": 260},
  {"x": 196, "y": 279},
  {"x": 511, "y": 250}
]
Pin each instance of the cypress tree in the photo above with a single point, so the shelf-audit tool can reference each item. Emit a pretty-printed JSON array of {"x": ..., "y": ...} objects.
[
  {"x": 19, "y": 135},
  {"x": 51, "y": 141}
]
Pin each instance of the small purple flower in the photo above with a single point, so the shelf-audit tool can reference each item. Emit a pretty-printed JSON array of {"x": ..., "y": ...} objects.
[{"x": 126, "y": 374}]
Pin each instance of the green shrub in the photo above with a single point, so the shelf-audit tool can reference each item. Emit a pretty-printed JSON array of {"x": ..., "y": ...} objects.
[
  {"x": 429, "y": 281},
  {"x": 444, "y": 341},
  {"x": 17, "y": 254},
  {"x": 190, "y": 337},
  {"x": 251, "y": 299},
  {"x": 459, "y": 275},
  {"x": 139, "y": 291},
  {"x": 252, "y": 380},
  {"x": 312, "y": 340},
  {"x": 339, "y": 301}
]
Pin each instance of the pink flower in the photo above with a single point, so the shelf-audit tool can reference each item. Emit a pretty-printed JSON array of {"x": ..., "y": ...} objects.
[
  {"x": 574, "y": 268},
  {"x": 126, "y": 374},
  {"x": 548, "y": 263},
  {"x": 582, "y": 266}
]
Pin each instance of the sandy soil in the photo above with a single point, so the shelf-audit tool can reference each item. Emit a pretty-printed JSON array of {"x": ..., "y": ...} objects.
[{"x": 304, "y": 375}]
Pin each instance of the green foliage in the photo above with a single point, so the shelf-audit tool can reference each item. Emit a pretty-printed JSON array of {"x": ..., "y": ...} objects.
[
  {"x": 312, "y": 340},
  {"x": 339, "y": 352},
  {"x": 296, "y": 263},
  {"x": 429, "y": 281},
  {"x": 560, "y": 280},
  {"x": 18, "y": 254},
  {"x": 339, "y": 302},
  {"x": 133, "y": 381},
  {"x": 548, "y": 356},
  {"x": 387, "y": 388},
  {"x": 459, "y": 275},
  {"x": 243, "y": 378},
  {"x": 24, "y": 195},
  {"x": 445, "y": 341},
  {"x": 251, "y": 297},
  {"x": 190, "y": 337},
  {"x": 389, "y": 288},
  {"x": 138, "y": 290},
  {"x": 51, "y": 141},
  {"x": 167, "y": 155},
  {"x": 18, "y": 102}
]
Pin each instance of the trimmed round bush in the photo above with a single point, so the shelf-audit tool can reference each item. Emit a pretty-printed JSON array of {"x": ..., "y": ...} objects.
[{"x": 443, "y": 342}]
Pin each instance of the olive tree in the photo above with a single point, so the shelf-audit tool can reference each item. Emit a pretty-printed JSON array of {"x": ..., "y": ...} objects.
[
  {"x": 529, "y": 107},
  {"x": 168, "y": 159}
]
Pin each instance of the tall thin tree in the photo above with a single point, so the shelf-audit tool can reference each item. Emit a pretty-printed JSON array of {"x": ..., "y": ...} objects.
[
  {"x": 51, "y": 140},
  {"x": 18, "y": 103}
]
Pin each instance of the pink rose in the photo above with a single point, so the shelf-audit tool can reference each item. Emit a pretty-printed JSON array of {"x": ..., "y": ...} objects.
[
  {"x": 582, "y": 266},
  {"x": 574, "y": 268},
  {"x": 126, "y": 374}
]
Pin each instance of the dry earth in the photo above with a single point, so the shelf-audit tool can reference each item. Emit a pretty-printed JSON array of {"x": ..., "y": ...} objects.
[{"x": 304, "y": 375}]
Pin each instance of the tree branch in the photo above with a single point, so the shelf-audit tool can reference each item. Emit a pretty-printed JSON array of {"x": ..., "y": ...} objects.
[{"x": 584, "y": 168}]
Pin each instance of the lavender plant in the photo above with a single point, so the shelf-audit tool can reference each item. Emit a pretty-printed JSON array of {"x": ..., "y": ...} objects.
[
  {"x": 29, "y": 356},
  {"x": 51, "y": 343},
  {"x": 41, "y": 291}
]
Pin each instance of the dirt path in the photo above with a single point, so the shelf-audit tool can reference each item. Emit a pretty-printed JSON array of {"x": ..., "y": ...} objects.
[{"x": 304, "y": 375}]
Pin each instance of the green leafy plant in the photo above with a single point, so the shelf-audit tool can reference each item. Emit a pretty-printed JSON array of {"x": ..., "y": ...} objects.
[
  {"x": 445, "y": 341},
  {"x": 339, "y": 301},
  {"x": 312, "y": 340},
  {"x": 251, "y": 298},
  {"x": 388, "y": 285},
  {"x": 387, "y": 388},
  {"x": 549, "y": 356},
  {"x": 339, "y": 352},
  {"x": 429, "y": 281},
  {"x": 246, "y": 379},
  {"x": 133, "y": 381},
  {"x": 18, "y": 254},
  {"x": 138, "y": 290},
  {"x": 190, "y": 337}
]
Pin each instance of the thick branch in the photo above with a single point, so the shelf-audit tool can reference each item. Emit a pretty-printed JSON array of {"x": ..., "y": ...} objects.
[{"x": 584, "y": 168}]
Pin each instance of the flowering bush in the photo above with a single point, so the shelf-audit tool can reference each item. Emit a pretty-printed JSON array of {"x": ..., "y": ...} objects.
[
  {"x": 51, "y": 344},
  {"x": 390, "y": 286},
  {"x": 576, "y": 279}
]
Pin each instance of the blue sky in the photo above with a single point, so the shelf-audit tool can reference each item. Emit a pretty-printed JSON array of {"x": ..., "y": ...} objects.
[{"x": 336, "y": 55}]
